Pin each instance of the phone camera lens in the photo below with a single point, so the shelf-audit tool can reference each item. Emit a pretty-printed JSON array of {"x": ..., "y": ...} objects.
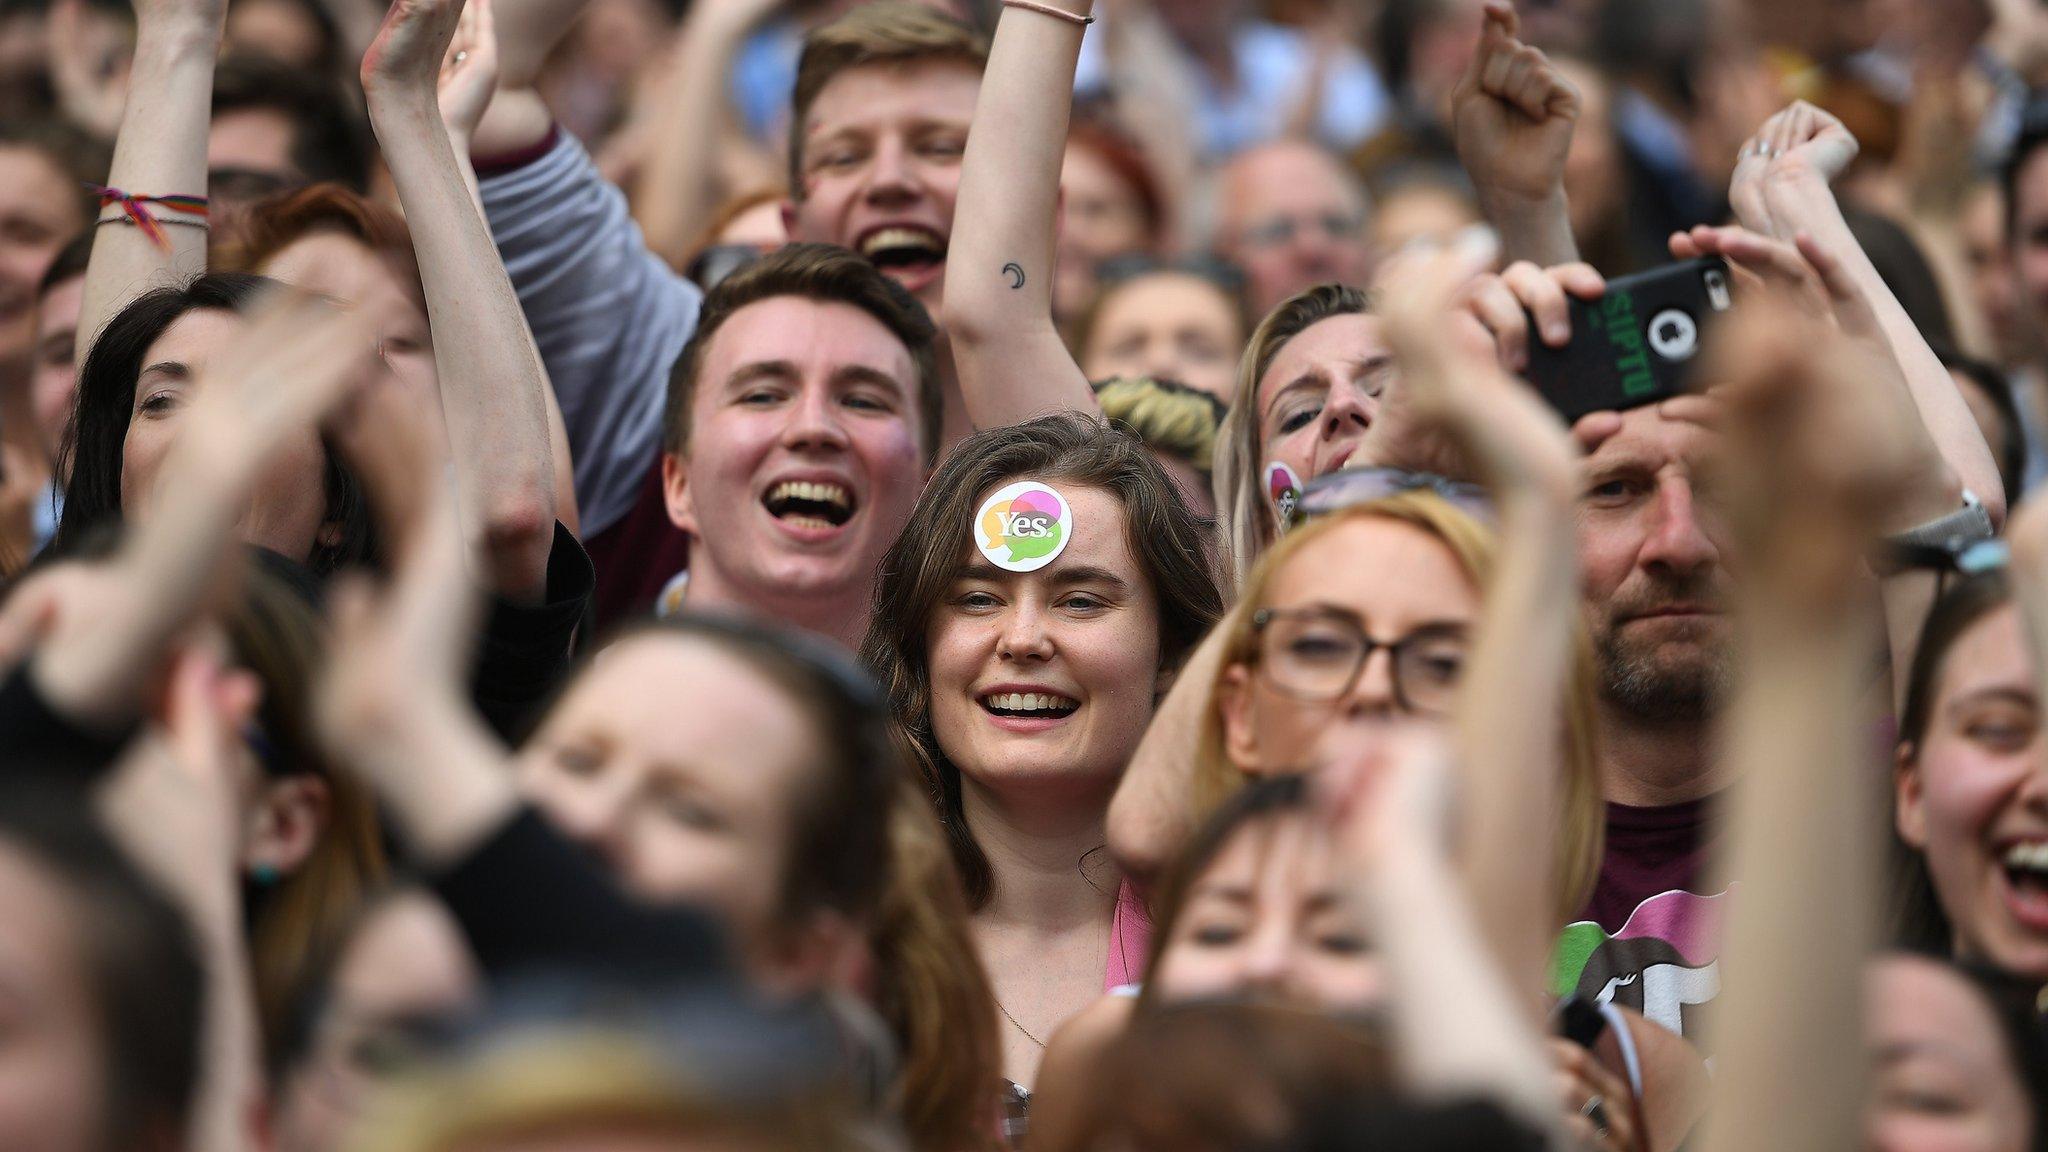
[{"x": 1674, "y": 335}]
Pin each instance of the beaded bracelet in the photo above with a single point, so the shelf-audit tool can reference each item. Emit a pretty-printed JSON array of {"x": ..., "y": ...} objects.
[{"x": 1049, "y": 10}]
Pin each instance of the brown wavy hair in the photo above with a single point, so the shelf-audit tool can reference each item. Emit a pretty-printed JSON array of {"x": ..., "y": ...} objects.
[
  {"x": 933, "y": 991},
  {"x": 275, "y": 223},
  {"x": 920, "y": 567}
]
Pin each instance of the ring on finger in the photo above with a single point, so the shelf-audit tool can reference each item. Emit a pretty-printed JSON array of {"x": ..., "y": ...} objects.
[
  {"x": 1595, "y": 1112},
  {"x": 461, "y": 56}
]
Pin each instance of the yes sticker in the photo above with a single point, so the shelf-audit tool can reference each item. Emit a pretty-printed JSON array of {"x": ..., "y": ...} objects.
[
  {"x": 1023, "y": 527},
  {"x": 1285, "y": 489}
]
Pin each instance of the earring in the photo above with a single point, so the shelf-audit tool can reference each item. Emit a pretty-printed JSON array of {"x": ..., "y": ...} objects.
[{"x": 263, "y": 875}]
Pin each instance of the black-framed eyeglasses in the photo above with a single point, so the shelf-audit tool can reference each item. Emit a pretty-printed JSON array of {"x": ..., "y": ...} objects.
[
  {"x": 1316, "y": 655},
  {"x": 1336, "y": 491}
]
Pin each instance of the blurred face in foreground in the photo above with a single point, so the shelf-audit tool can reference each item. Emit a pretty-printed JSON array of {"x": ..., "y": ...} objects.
[
  {"x": 1267, "y": 919},
  {"x": 1945, "y": 1080}
]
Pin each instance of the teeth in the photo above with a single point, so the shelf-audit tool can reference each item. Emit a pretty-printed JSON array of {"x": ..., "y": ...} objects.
[
  {"x": 2031, "y": 857},
  {"x": 1029, "y": 702},
  {"x": 826, "y": 493},
  {"x": 899, "y": 238}
]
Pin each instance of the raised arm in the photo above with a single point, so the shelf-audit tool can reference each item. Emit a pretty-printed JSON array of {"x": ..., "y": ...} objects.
[
  {"x": 1810, "y": 469},
  {"x": 1460, "y": 1027},
  {"x": 1512, "y": 116},
  {"x": 161, "y": 151},
  {"x": 1513, "y": 691},
  {"x": 1155, "y": 808},
  {"x": 677, "y": 191},
  {"x": 1780, "y": 188},
  {"x": 998, "y": 308},
  {"x": 493, "y": 392}
]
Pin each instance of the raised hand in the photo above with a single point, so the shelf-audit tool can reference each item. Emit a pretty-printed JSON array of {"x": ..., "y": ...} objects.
[
  {"x": 86, "y": 67},
  {"x": 1512, "y": 116},
  {"x": 1512, "y": 113},
  {"x": 1509, "y": 435},
  {"x": 172, "y": 801},
  {"x": 407, "y": 55},
  {"x": 1799, "y": 144},
  {"x": 1813, "y": 458},
  {"x": 469, "y": 71}
]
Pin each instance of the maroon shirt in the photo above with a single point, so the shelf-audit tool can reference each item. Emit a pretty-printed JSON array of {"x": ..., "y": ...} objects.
[
  {"x": 1650, "y": 937},
  {"x": 637, "y": 556}
]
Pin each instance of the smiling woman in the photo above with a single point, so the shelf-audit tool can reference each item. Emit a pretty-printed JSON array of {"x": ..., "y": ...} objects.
[{"x": 1055, "y": 582}]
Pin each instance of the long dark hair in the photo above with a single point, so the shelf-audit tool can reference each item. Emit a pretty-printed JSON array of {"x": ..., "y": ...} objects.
[
  {"x": 1164, "y": 535},
  {"x": 92, "y": 452},
  {"x": 1918, "y": 921}
]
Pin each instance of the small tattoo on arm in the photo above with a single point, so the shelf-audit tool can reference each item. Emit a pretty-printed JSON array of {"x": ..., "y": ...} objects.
[{"x": 1015, "y": 272}]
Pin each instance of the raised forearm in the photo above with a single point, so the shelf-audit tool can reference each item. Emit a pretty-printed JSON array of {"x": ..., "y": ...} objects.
[
  {"x": 1459, "y": 1027},
  {"x": 674, "y": 196},
  {"x": 161, "y": 151},
  {"x": 1805, "y": 846},
  {"x": 1806, "y": 204},
  {"x": 1155, "y": 808},
  {"x": 999, "y": 269},
  {"x": 1539, "y": 231},
  {"x": 1511, "y": 731},
  {"x": 493, "y": 390}
]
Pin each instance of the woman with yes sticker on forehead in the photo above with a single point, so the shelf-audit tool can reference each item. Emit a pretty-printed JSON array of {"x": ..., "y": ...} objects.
[{"x": 1053, "y": 585}]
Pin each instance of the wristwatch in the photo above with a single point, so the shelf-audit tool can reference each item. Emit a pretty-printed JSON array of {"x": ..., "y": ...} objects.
[{"x": 1942, "y": 543}]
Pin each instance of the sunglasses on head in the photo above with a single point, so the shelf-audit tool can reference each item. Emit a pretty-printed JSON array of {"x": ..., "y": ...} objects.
[{"x": 1337, "y": 491}]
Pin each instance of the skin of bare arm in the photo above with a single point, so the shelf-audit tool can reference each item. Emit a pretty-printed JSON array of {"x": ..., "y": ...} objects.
[
  {"x": 1011, "y": 361},
  {"x": 493, "y": 390},
  {"x": 161, "y": 150}
]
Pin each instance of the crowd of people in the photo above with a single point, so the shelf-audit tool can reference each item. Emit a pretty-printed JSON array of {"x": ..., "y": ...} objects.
[{"x": 952, "y": 575}]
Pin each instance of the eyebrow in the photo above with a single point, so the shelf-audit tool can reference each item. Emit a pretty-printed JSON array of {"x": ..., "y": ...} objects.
[
  {"x": 1076, "y": 574},
  {"x": 1994, "y": 694},
  {"x": 1309, "y": 378},
  {"x": 747, "y": 374},
  {"x": 174, "y": 369},
  {"x": 863, "y": 374}
]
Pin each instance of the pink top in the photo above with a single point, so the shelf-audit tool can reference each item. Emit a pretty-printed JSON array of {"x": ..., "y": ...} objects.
[{"x": 1130, "y": 940}]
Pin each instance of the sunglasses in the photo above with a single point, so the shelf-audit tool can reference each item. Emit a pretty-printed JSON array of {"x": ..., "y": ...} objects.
[{"x": 1337, "y": 491}]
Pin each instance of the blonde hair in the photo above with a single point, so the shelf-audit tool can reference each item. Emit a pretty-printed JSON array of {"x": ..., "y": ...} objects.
[
  {"x": 1244, "y": 515},
  {"x": 562, "y": 1079},
  {"x": 1172, "y": 419},
  {"x": 892, "y": 33},
  {"x": 1476, "y": 549}
]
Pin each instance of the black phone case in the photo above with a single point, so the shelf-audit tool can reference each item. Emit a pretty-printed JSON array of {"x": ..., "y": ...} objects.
[{"x": 1635, "y": 345}]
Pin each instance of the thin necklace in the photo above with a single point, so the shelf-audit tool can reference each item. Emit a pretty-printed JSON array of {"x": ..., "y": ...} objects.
[{"x": 1017, "y": 1026}]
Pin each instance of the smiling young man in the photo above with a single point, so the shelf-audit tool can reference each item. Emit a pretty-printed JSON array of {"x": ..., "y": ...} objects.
[
  {"x": 801, "y": 419},
  {"x": 882, "y": 104}
]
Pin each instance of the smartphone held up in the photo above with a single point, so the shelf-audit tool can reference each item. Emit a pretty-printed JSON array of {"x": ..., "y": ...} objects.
[{"x": 1637, "y": 343}]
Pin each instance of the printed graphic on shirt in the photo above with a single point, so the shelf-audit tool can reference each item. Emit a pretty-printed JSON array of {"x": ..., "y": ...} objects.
[{"x": 1664, "y": 963}]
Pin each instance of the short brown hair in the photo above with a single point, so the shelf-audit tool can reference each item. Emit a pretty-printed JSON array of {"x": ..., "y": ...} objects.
[
  {"x": 889, "y": 33},
  {"x": 825, "y": 273}
]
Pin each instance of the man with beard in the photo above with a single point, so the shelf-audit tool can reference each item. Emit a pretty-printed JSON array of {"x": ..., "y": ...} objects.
[{"x": 1652, "y": 561}]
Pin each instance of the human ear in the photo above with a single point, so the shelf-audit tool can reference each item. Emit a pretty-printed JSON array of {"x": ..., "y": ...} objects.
[
  {"x": 1909, "y": 807},
  {"x": 677, "y": 494},
  {"x": 1234, "y": 704},
  {"x": 285, "y": 824}
]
